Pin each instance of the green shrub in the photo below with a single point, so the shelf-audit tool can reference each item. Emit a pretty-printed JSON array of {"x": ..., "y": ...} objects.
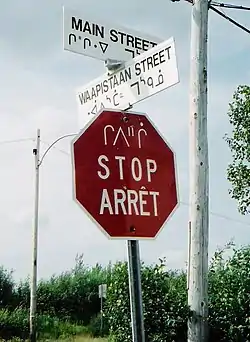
[
  {"x": 52, "y": 327},
  {"x": 229, "y": 296},
  {"x": 72, "y": 295},
  {"x": 13, "y": 323},
  {"x": 6, "y": 288},
  {"x": 94, "y": 327},
  {"x": 69, "y": 301},
  {"x": 164, "y": 300},
  {"x": 16, "y": 324}
]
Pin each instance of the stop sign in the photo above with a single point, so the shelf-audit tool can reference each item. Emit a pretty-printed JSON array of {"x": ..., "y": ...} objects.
[{"x": 124, "y": 175}]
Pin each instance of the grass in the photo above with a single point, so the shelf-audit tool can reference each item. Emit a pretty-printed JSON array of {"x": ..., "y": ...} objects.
[
  {"x": 90, "y": 339},
  {"x": 84, "y": 339},
  {"x": 77, "y": 339}
]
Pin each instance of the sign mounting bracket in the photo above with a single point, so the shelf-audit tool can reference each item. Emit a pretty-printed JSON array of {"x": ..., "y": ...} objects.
[{"x": 114, "y": 65}]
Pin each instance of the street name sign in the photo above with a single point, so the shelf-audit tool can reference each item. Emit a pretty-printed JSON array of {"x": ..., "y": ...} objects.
[
  {"x": 102, "y": 291},
  {"x": 101, "y": 40},
  {"x": 142, "y": 77},
  {"x": 125, "y": 181}
]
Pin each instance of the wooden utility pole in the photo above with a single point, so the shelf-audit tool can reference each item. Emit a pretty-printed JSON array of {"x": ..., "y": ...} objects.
[{"x": 199, "y": 180}]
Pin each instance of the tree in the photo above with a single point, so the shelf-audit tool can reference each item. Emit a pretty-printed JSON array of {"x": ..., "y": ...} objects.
[
  {"x": 164, "y": 303},
  {"x": 229, "y": 295},
  {"x": 6, "y": 288},
  {"x": 238, "y": 172}
]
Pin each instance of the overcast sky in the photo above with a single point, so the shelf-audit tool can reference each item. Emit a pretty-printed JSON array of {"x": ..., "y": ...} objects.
[{"x": 38, "y": 82}]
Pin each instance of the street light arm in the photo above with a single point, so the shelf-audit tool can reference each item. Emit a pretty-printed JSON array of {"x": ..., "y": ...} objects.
[
  {"x": 33, "y": 284},
  {"x": 50, "y": 146}
]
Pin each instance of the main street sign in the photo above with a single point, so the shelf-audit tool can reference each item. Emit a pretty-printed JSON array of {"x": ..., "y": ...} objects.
[
  {"x": 142, "y": 77},
  {"x": 124, "y": 175},
  {"x": 101, "y": 40}
]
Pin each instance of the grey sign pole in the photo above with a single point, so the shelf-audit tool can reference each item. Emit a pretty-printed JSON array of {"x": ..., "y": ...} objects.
[
  {"x": 102, "y": 294},
  {"x": 135, "y": 291},
  {"x": 134, "y": 265}
]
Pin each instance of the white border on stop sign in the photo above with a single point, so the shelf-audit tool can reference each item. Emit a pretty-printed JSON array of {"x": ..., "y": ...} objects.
[{"x": 73, "y": 174}]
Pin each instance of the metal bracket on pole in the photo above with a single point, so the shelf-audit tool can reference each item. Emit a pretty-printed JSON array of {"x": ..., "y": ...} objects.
[{"x": 114, "y": 65}]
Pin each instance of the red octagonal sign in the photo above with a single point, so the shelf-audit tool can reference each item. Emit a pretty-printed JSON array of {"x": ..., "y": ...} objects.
[{"x": 124, "y": 174}]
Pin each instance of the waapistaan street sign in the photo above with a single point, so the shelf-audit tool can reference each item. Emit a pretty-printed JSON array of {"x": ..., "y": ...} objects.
[
  {"x": 96, "y": 38},
  {"x": 141, "y": 77}
]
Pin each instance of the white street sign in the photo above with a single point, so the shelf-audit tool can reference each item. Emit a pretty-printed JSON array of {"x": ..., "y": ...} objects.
[
  {"x": 143, "y": 76},
  {"x": 98, "y": 39},
  {"x": 103, "y": 291}
]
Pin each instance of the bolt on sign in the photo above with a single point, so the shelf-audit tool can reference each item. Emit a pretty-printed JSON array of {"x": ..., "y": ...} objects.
[{"x": 124, "y": 174}]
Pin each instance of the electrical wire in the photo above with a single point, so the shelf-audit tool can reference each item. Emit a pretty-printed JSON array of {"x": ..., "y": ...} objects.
[
  {"x": 15, "y": 141},
  {"x": 230, "y": 6},
  {"x": 230, "y": 19},
  {"x": 228, "y": 218},
  {"x": 223, "y": 5},
  {"x": 4, "y": 142},
  {"x": 225, "y": 217}
]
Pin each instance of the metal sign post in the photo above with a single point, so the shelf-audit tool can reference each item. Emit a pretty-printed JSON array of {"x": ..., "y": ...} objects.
[
  {"x": 135, "y": 291},
  {"x": 134, "y": 264},
  {"x": 102, "y": 294},
  {"x": 120, "y": 192},
  {"x": 123, "y": 215}
]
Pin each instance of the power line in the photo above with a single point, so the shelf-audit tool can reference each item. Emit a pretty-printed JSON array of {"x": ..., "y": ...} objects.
[
  {"x": 229, "y": 218},
  {"x": 15, "y": 141},
  {"x": 68, "y": 154},
  {"x": 230, "y": 6},
  {"x": 4, "y": 142},
  {"x": 225, "y": 217},
  {"x": 220, "y": 4},
  {"x": 230, "y": 19},
  {"x": 182, "y": 202},
  {"x": 190, "y": 1}
]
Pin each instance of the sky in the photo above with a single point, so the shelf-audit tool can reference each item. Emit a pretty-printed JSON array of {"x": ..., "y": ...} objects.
[{"x": 38, "y": 82}]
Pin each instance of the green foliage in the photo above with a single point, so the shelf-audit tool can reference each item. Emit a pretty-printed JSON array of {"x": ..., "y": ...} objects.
[
  {"x": 239, "y": 143},
  {"x": 21, "y": 295},
  {"x": 16, "y": 324},
  {"x": 229, "y": 294},
  {"x": 164, "y": 300},
  {"x": 64, "y": 302},
  {"x": 116, "y": 307},
  {"x": 95, "y": 329},
  {"x": 13, "y": 323},
  {"x": 73, "y": 295},
  {"x": 6, "y": 288}
]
